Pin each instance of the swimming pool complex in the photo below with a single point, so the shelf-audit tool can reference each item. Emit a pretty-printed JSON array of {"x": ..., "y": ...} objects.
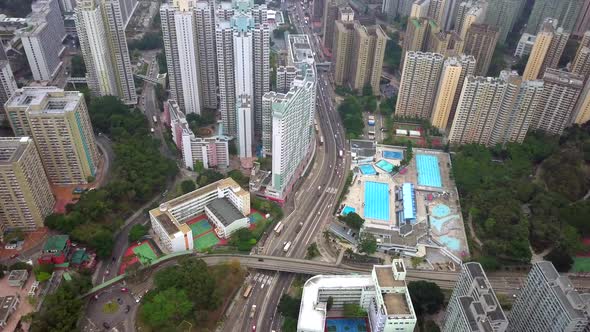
[
  {"x": 367, "y": 169},
  {"x": 441, "y": 210},
  {"x": 376, "y": 200},
  {"x": 397, "y": 155},
  {"x": 450, "y": 242},
  {"x": 385, "y": 165},
  {"x": 439, "y": 223},
  {"x": 428, "y": 170}
]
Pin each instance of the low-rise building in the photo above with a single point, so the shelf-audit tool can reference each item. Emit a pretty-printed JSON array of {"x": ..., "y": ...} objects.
[
  {"x": 55, "y": 250},
  {"x": 17, "y": 278},
  {"x": 383, "y": 294},
  {"x": 169, "y": 219},
  {"x": 8, "y": 305}
]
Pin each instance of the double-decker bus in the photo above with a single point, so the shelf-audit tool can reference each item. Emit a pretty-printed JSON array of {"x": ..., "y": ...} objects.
[
  {"x": 279, "y": 227},
  {"x": 248, "y": 291}
]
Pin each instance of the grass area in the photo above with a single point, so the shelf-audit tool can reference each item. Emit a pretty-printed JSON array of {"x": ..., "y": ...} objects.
[
  {"x": 581, "y": 264},
  {"x": 206, "y": 241},
  {"x": 110, "y": 308},
  {"x": 145, "y": 254}
]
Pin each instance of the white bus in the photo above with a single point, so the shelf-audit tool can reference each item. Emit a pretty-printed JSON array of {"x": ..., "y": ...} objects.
[
  {"x": 371, "y": 134},
  {"x": 340, "y": 153},
  {"x": 248, "y": 291},
  {"x": 278, "y": 227},
  {"x": 287, "y": 246},
  {"x": 321, "y": 140},
  {"x": 155, "y": 119}
]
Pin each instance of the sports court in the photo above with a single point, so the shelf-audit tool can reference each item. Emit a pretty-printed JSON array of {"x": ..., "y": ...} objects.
[
  {"x": 367, "y": 169},
  {"x": 145, "y": 253},
  {"x": 428, "y": 170},
  {"x": 376, "y": 200},
  {"x": 255, "y": 217},
  {"x": 395, "y": 155},
  {"x": 347, "y": 325},
  {"x": 206, "y": 241},
  {"x": 200, "y": 227},
  {"x": 385, "y": 165}
]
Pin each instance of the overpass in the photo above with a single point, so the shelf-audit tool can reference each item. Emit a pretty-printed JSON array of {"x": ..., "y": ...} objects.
[
  {"x": 147, "y": 79},
  {"x": 502, "y": 282},
  {"x": 77, "y": 80}
]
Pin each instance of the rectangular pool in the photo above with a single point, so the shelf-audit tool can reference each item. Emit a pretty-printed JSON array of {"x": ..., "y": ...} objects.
[
  {"x": 385, "y": 165},
  {"x": 396, "y": 155},
  {"x": 428, "y": 170},
  {"x": 367, "y": 169},
  {"x": 376, "y": 200},
  {"x": 346, "y": 325}
]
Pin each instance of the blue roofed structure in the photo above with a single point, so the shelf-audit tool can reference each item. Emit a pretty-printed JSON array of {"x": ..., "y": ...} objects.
[{"x": 409, "y": 202}]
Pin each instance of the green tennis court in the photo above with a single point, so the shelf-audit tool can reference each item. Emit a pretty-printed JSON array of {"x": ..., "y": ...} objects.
[
  {"x": 206, "y": 241},
  {"x": 256, "y": 217},
  {"x": 581, "y": 264},
  {"x": 145, "y": 253},
  {"x": 200, "y": 227}
]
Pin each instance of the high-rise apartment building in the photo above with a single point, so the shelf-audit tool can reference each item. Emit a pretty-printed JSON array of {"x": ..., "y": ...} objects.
[
  {"x": 449, "y": 89},
  {"x": 285, "y": 76},
  {"x": 207, "y": 57},
  {"x": 473, "y": 306},
  {"x": 7, "y": 85},
  {"x": 503, "y": 14},
  {"x": 245, "y": 125},
  {"x": 469, "y": 12},
  {"x": 436, "y": 11},
  {"x": 397, "y": 8},
  {"x": 549, "y": 302},
  {"x": 582, "y": 111},
  {"x": 564, "y": 11},
  {"x": 416, "y": 36},
  {"x": 583, "y": 20},
  {"x": 244, "y": 80},
  {"x": 42, "y": 39},
  {"x": 261, "y": 57},
  {"x": 59, "y": 123},
  {"x": 25, "y": 195},
  {"x": 341, "y": 52},
  {"x": 101, "y": 31},
  {"x": 420, "y": 9},
  {"x": 292, "y": 120},
  {"x": 549, "y": 45},
  {"x": 525, "y": 45},
  {"x": 495, "y": 110},
  {"x": 581, "y": 63},
  {"x": 225, "y": 73},
  {"x": 560, "y": 94},
  {"x": 419, "y": 83},
  {"x": 167, "y": 19},
  {"x": 330, "y": 16},
  {"x": 480, "y": 41}
]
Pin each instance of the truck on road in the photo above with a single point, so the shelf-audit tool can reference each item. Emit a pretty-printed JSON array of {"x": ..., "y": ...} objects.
[
  {"x": 371, "y": 121},
  {"x": 299, "y": 227},
  {"x": 252, "y": 311},
  {"x": 155, "y": 119},
  {"x": 287, "y": 246},
  {"x": 340, "y": 153}
]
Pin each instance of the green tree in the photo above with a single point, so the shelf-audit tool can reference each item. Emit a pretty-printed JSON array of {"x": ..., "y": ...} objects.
[
  {"x": 393, "y": 52},
  {"x": 353, "y": 220},
  {"x": 367, "y": 90},
  {"x": 198, "y": 166},
  {"x": 187, "y": 186},
  {"x": 351, "y": 114},
  {"x": 497, "y": 64},
  {"x": 239, "y": 177},
  {"x": 353, "y": 310},
  {"x": 208, "y": 176},
  {"x": 166, "y": 308},
  {"x": 561, "y": 259},
  {"x": 242, "y": 239},
  {"x": 427, "y": 297},
  {"x": 312, "y": 251},
  {"x": 289, "y": 306},
  {"x": 78, "y": 66},
  {"x": 149, "y": 41},
  {"x": 367, "y": 243},
  {"x": 137, "y": 232}
]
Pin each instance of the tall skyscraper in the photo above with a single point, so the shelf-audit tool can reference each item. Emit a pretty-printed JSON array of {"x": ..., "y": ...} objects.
[
  {"x": 420, "y": 9},
  {"x": 341, "y": 53},
  {"x": 416, "y": 35},
  {"x": 468, "y": 13},
  {"x": 549, "y": 302},
  {"x": 560, "y": 94},
  {"x": 7, "y": 85},
  {"x": 42, "y": 39},
  {"x": 101, "y": 31},
  {"x": 582, "y": 111},
  {"x": 261, "y": 57},
  {"x": 583, "y": 20},
  {"x": 564, "y": 11},
  {"x": 473, "y": 305},
  {"x": 207, "y": 59},
  {"x": 369, "y": 48},
  {"x": 186, "y": 41},
  {"x": 330, "y": 16},
  {"x": 495, "y": 110},
  {"x": 167, "y": 18},
  {"x": 245, "y": 125},
  {"x": 225, "y": 73},
  {"x": 419, "y": 84},
  {"x": 581, "y": 63},
  {"x": 551, "y": 43},
  {"x": 25, "y": 195},
  {"x": 292, "y": 120},
  {"x": 480, "y": 41},
  {"x": 503, "y": 14},
  {"x": 449, "y": 89},
  {"x": 436, "y": 11},
  {"x": 59, "y": 123}
]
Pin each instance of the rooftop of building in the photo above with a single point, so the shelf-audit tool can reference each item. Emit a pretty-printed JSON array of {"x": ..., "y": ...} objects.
[
  {"x": 563, "y": 77},
  {"x": 12, "y": 149},
  {"x": 225, "y": 211},
  {"x": 18, "y": 275},
  {"x": 385, "y": 277},
  {"x": 56, "y": 243},
  {"x": 37, "y": 20},
  {"x": 300, "y": 49},
  {"x": 48, "y": 99},
  {"x": 6, "y": 305},
  {"x": 561, "y": 286},
  {"x": 476, "y": 320},
  {"x": 396, "y": 304}
]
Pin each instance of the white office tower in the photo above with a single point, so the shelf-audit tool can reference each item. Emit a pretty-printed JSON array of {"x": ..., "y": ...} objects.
[
  {"x": 42, "y": 39},
  {"x": 211, "y": 151},
  {"x": 225, "y": 72},
  {"x": 292, "y": 116},
  {"x": 495, "y": 110},
  {"x": 548, "y": 302},
  {"x": 419, "y": 84},
  {"x": 245, "y": 129},
  {"x": 383, "y": 294},
  {"x": 7, "y": 85},
  {"x": 101, "y": 31},
  {"x": 473, "y": 305}
]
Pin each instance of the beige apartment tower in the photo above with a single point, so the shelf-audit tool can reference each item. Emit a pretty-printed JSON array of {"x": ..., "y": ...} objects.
[
  {"x": 547, "y": 51},
  {"x": 341, "y": 53},
  {"x": 330, "y": 16},
  {"x": 581, "y": 63},
  {"x": 415, "y": 37},
  {"x": 59, "y": 123},
  {"x": 25, "y": 195},
  {"x": 436, "y": 11},
  {"x": 419, "y": 84},
  {"x": 368, "y": 47},
  {"x": 582, "y": 111},
  {"x": 480, "y": 41}
]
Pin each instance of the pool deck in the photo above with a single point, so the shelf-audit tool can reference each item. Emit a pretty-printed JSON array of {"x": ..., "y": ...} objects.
[{"x": 356, "y": 197}]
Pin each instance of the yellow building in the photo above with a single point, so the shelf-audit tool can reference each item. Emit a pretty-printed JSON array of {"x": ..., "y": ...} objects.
[
  {"x": 447, "y": 87},
  {"x": 547, "y": 51},
  {"x": 25, "y": 195},
  {"x": 59, "y": 123}
]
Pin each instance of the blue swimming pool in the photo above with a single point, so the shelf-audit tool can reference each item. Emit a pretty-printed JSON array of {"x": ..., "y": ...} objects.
[
  {"x": 348, "y": 209},
  {"x": 397, "y": 155},
  {"x": 385, "y": 165},
  {"x": 428, "y": 170},
  {"x": 441, "y": 210},
  {"x": 367, "y": 169},
  {"x": 450, "y": 242},
  {"x": 376, "y": 200},
  {"x": 439, "y": 223},
  {"x": 346, "y": 325}
]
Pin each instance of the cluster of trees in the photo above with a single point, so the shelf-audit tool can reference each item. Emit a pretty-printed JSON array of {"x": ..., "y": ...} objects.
[
  {"x": 78, "y": 66},
  {"x": 245, "y": 239},
  {"x": 208, "y": 176},
  {"x": 15, "y": 8},
  {"x": 427, "y": 299},
  {"x": 149, "y": 41},
  {"x": 137, "y": 232},
  {"x": 351, "y": 110},
  {"x": 528, "y": 193},
  {"x": 240, "y": 178},
  {"x": 62, "y": 309},
  {"x": 289, "y": 309},
  {"x": 393, "y": 52},
  {"x": 188, "y": 291},
  {"x": 354, "y": 310},
  {"x": 279, "y": 32},
  {"x": 312, "y": 251},
  {"x": 352, "y": 220},
  {"x": 139, "y": 172},
  {"x": 196, "y": 121},
  {"x": 367, "y": 243},
  {"x": 187, "y": 186}
]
